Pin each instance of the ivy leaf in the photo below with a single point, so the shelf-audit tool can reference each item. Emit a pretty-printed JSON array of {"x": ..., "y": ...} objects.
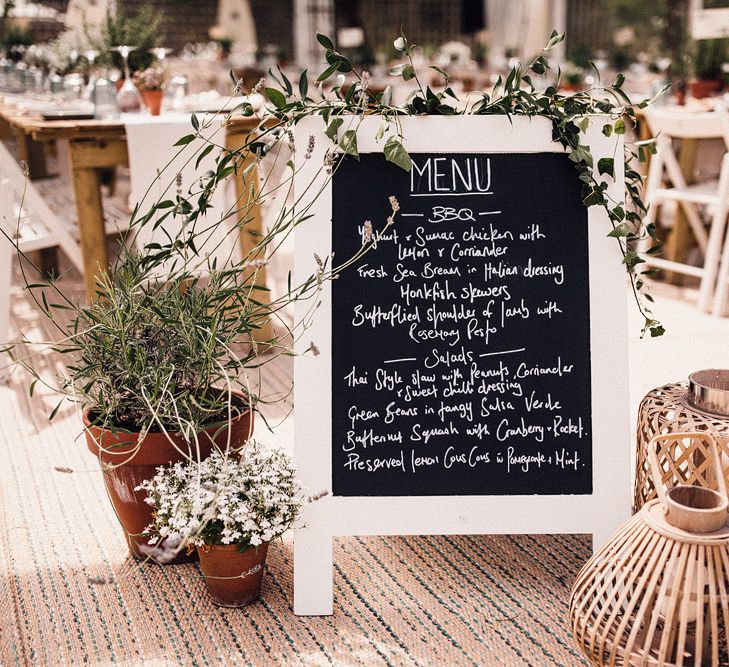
[
  {"x": 408, "y": 72},
  {"x": 607, "y": 129},
  {"x": 324, "y": 41},
  {"x": 619, "y": 127},
  {"x": 277, "y": 97},
  {"x": 632, "y": 258},
  {"x": 348, "y": 143},
  {"x": 620, "y": 231},
  {"x": 395, "y": 152},
  {"x": 333, "y": 128},
  {"x": 606, "y": 165}
]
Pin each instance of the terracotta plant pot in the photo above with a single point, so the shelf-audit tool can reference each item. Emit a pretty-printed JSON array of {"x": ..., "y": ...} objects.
[
  {"x": 233, "y": 577},
  {"x": 705, "y": 88},
  {"x": 153, "y": 101},
  {"x": 129, "y": 469}
]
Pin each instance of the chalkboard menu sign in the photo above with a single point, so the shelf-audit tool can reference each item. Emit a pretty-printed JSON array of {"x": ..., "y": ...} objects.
[
  {"x": 471, "y": 373},
  {"x": 461, "y": 343}
]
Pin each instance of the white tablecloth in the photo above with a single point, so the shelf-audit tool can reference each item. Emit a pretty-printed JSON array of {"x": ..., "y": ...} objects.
[{"x": 150, "y": 141}]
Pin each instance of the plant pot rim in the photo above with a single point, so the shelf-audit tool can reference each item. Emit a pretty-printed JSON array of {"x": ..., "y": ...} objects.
[
  {"x": 89, "y": 425},
  {"x": 207, "y": 548},
  {"x": 157, "y": 448}
]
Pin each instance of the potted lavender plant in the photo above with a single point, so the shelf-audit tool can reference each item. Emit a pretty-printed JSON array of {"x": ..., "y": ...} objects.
[{"x": 229, "y": 508}]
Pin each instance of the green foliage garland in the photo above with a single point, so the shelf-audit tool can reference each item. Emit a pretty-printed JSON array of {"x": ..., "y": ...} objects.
[{"x": 516, "y": 95}]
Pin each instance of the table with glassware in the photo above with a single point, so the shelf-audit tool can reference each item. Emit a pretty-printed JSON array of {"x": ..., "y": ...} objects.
[{"x": 93, "y": 145}]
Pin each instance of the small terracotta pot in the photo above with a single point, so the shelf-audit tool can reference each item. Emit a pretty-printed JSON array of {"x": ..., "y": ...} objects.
[
  {"x": 233, "y": 576},
  {"x": 153, "y": 101},
  {"x": 130, "y": 469},
  {"x": 705, "y": 88}
]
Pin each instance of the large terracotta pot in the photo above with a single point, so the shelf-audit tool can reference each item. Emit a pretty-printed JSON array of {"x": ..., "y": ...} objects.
[
  {"x": 153, "y": 101},
  {"x": 124, "y": 469},
  {"x": 233, "y": 576}
]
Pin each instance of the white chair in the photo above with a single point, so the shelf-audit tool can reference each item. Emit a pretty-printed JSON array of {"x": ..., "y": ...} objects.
[{"x": 666, "y": 183}]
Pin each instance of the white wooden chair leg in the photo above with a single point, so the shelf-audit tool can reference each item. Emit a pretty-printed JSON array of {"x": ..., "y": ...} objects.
[
  {"x": 690, "y": 209},
  {"x": 722, "y": 281},
  {"x": 716, "y": 238}
]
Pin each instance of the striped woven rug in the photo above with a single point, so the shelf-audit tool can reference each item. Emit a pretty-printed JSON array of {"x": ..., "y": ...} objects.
[{"x": 69, "y": 593}]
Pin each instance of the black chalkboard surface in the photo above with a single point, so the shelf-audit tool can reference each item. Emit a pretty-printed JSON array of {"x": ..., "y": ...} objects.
[{"x": 461, "y": 344}]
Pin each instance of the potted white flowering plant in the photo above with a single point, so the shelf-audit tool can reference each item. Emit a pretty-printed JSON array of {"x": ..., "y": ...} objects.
[{"x": 230, "y": 508}]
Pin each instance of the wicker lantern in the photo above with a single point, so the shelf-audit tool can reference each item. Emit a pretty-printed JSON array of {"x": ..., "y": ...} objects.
[
  {"x": 656, "y": 593},
  {"x": 701, "y": 405}
]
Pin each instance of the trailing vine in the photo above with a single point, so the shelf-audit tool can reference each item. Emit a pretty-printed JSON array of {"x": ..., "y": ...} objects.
[{"x": 516, "y": 95}]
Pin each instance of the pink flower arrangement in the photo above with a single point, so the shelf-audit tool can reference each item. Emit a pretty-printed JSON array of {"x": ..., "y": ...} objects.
[{"x": 152, "y": 78}]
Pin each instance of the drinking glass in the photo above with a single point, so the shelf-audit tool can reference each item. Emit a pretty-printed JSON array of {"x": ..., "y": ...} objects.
[
  {"x": 128, "y": 97},
  {"x": 91, "y": 56},
  {"x": 104, "y": 95}
]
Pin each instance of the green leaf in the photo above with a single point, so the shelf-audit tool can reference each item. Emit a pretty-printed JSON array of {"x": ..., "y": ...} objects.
[
  {"x": 657, "y": 331},
  {"x": 619, "y": 126},
  {"x": 205, "y": 152},
  {"x": 324, "y": 41},
  {"x": 31, "y": 389},
  {"x": 303, "y": 84},
  {"x": 195, "y": 122},
  {"x": 348, "y": 143},
  {"x": 395, "y": 152},
  {"x": 555, "y": 38},
  {"x": 333, "y": 128},
  {"x": 442, "y": 73},
  {"x": 276, "y": 97},
  {"x": 606, "y": 165},
  {"x": 620, "y": 231},
  {"x": 328, "y": 72},
  {"x": 185, "y": 140},
  {"x": 55, "y": 410},
  {"x": 408, "y": 72}
]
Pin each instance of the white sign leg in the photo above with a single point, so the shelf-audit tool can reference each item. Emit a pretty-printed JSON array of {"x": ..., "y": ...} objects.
[{"x": 313, "y": 570}]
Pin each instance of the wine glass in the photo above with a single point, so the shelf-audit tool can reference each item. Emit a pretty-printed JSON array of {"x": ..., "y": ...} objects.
[
  {"x": 160, "y": 52},
  {"x": 91, "y": 55},
  {"x": 128, "y": 97}
]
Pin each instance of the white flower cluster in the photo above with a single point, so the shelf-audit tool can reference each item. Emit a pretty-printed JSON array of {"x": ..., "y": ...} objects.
[{"x": 225, "y": 499}]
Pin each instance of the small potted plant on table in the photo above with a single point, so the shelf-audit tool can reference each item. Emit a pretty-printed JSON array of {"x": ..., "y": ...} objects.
[
  {"x": 230, "y": 508},
  {"x": 710, "y": 56},
  {"x": 150, "y": 83}
]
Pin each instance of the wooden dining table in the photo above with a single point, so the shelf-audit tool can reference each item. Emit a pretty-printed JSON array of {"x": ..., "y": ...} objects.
[{"x": 94, "y": 146}]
